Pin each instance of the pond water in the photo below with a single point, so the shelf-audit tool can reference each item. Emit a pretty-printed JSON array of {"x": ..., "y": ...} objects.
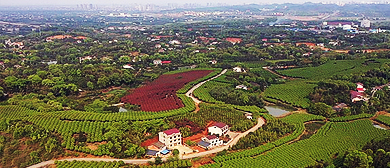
[
  {"x": 276, "y": 111},
  {"x": 121, "y": 109},
  {"x": 378, "y": 126}
]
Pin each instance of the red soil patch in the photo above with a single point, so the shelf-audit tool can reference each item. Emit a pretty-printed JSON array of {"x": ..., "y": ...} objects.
[
  {"x": 198, "y": 148},
  {"x": 195, "y": 138},
  {"x": 149, "y": 141},
  {"x": 160, "y": 94}
]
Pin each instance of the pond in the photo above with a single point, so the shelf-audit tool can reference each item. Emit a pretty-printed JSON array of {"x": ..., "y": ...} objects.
[
  {"x": 276, "y": 111},
  {"x": 378, "y": 126},
  {"x": 121, "y": 109}
]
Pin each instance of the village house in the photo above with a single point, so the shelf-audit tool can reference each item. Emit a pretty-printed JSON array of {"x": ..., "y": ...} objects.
[
  {"x": 238, "y": 69},
  {"x": 86, "y": 58},
  {"x": 156, "y": 149},
  {"x": 157, "y": 62},
  {"x": 170, "y": 137},
  {"x": 210, "y": 141},
  {"x": 339, "y": 107},
  {"x": 174, "y": 42},
  {"x": 241, "y": 87},
  {"x": 360, "y": 87},
  {"x": 234, "y": 40},
  {"x": 49, "y": 62},
  {"x": 19, "y": 45},
  {"x": 213, "y": 62},
  {"x": 128, "y": 66},
  {"x": 357, "y": 96},
  {"x": 248, "y": 116},
  {"x": 219, "y": 129}
]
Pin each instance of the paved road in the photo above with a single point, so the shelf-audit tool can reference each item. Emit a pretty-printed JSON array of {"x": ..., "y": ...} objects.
[{"x": 260, "y": 122}]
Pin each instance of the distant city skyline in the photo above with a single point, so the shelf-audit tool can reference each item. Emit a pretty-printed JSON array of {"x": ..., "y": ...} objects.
[{"x": 166, "y": 2}]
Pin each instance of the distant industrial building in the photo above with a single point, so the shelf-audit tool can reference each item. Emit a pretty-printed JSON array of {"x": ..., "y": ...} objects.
[{"x": 365, "y": 23}]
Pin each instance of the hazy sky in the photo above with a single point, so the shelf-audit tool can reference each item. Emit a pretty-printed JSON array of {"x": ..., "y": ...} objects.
[{"x": 70, "y": 2}]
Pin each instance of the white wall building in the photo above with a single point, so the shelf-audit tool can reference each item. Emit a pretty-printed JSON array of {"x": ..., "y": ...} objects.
[
  {"x": 365, "y": 23},
  {"x": 219, "y": 129},
  {"x": 210, "y": 142},
  {"x": 170, "y": 137}
]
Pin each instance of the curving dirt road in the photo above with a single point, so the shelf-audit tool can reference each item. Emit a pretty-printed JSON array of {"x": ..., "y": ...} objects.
[
  {"x": 191, "y": 91},
  {"x": 260, "y": 122}
]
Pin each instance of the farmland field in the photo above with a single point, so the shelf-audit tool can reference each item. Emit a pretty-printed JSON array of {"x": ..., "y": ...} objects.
[
  {"x": 332, "y": 68},
  {"x": 160, "y": 94},
  {"x": 293, "y": 92},
  {"x": 331, "y": 139}
]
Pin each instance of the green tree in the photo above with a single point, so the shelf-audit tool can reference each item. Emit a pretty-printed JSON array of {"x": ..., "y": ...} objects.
[
  {"x": 357, "y": 159},
  {"x": 90, "y": 85},
  {"x": 175, "y": 152},
  {"x": 96, "y": 106},
  {"x": 322, "y": 109},
  {"x": 157, "y": 160}
]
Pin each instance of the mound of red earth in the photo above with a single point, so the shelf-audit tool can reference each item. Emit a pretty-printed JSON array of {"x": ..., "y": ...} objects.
[{"x": 160, "y": 94}]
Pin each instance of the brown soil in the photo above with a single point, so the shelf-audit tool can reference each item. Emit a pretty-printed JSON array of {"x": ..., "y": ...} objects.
[
  {"x": 149, "y": 141},
  {"x": 94, "y": 146}
]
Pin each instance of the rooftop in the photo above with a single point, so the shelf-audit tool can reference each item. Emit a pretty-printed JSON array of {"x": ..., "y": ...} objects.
[
  {"x": 219, "y": 124},
  {"x": 211, "y": 137},
  {"x": 151, "y": 152},
  {"x": 159, "y": 144},
  {"x": 204, "y": 144},
  {"x": 172, "y": 131}
]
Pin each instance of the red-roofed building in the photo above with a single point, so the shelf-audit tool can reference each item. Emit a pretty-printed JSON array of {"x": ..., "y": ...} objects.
[
  {"x": 234, "y": 40},
  {"x": 166, "y": 62},
  {"x": 218, "y": 128},
  {"x": 80, "y": 38},
  {"x": 357, "y": 96},
  {"x": 310, "y": 45},
  {"x": 360, "y": 87},
  {"x": 170, "y": 137}
]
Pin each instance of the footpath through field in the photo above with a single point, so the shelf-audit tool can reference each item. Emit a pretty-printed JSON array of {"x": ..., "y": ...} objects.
[
  {"x": 278, "y": 74},
  {"x": 191, "y": 91},
  {"x": 260, "y": 122}
]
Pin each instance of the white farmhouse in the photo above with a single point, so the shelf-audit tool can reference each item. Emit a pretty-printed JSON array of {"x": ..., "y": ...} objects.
[
  {"x": 157, "y": 62},
  {"x": 210, "y": 142},
  {"x": 219, "y": 129},
  {"x": 238, "y": 69},
  {"x": 241, "y": 87},
  {"x": 170, "y": 137}
]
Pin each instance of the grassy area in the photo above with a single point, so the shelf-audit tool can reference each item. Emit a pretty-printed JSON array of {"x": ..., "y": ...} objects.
[
  {"x": 292, "y": 92},
  {"x": 331, "y": 139},
  {"x": 334, "y": 67}
]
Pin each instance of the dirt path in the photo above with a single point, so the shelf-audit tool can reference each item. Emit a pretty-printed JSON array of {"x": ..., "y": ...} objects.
[
  {"x": 277, "y": 74},
  {"x": 260, "y": 122},
  {"x": 191, "y": 91}
]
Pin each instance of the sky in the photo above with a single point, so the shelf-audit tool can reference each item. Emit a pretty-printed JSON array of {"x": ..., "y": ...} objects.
[{"x": 159, "y": 2}]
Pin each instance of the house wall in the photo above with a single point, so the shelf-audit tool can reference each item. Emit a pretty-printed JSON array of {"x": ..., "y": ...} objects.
[
  {"x": 215, "y": 131},
  {"x": 171, "y": 140}
]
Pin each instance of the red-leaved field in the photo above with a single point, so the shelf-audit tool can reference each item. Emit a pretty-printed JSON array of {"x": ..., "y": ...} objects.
[{"x": 160, "y": 94}]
